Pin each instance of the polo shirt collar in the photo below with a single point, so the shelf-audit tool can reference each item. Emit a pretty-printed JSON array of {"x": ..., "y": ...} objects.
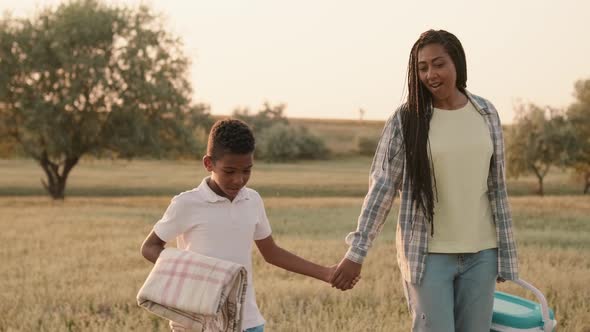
[{"x": 210, "y": 196}]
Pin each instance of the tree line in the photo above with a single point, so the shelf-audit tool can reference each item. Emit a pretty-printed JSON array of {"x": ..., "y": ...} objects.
[
  {"x": 542, "y": 138},
  {"x": 90, "y": 79}
]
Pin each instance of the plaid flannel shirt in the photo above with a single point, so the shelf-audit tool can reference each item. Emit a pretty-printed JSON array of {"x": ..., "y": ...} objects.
[{"x": 388, "y": 176}]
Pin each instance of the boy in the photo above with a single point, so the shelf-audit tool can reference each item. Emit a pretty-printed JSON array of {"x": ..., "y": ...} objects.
[{"x": 221, "y": 216}]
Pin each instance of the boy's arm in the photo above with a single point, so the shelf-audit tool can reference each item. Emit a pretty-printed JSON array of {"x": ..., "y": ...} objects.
[
  {"x": 152, "y": 247},
  {"x": 284, "y": 259}
]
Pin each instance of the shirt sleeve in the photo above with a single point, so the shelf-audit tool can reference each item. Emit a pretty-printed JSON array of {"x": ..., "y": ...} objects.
[
  {"x": 508, "y": 262},
  {"x": 174, "y": 221},
  {"x": 384, "y": 181},
  {"x": 262, "y": 229}
]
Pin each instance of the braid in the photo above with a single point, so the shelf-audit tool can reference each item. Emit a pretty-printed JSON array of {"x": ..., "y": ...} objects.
[{"x": 416, "y": 117}]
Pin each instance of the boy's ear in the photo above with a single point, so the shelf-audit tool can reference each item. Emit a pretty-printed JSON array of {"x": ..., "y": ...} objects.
[{"x": 208, "y": 163}]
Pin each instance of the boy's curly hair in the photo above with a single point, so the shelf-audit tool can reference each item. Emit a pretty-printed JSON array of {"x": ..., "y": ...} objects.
[{"x": 230, "y": 136}]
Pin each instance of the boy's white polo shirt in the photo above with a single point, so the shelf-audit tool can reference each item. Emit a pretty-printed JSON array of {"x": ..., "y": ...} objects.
[{"x": 211, "y": 225}]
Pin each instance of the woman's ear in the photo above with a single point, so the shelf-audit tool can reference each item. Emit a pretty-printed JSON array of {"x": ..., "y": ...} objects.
[{"x": 208, "y": 163}]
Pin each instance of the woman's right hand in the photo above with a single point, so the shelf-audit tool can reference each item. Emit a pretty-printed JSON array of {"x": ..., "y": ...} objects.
[{"x": 347, "y": 274}]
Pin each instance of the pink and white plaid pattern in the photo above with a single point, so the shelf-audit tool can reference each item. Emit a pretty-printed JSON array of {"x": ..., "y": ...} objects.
[{"x": 198, "y": 292}]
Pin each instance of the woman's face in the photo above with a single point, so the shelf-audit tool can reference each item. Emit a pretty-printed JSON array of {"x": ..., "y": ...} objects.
[{"x": 437, "y": 71}]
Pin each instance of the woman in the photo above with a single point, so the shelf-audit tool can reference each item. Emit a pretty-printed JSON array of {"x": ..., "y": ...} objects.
[{"x": 443, "y": 150}]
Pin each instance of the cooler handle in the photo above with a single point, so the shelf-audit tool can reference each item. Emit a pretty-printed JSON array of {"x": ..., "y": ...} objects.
[{"x": 548, "y": 323}]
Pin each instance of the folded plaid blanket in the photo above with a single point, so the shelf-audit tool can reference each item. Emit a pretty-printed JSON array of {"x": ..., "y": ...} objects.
[{"x": 198, "y": 292}]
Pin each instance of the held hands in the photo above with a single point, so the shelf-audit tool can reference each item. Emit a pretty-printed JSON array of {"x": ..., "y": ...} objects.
[{"x": 345, "y": 275}]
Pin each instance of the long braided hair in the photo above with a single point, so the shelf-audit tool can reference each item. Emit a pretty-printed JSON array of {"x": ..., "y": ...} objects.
[{"x": 416, "y": 118}]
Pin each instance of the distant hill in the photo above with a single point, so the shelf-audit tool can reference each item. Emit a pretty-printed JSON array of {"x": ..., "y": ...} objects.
[{"x": 340, "y": 135}]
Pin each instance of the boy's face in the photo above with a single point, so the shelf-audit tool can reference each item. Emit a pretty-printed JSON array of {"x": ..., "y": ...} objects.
[{"x": 230, "y": 173}]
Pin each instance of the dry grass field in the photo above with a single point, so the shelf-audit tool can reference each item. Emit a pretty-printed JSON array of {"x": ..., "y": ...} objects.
[{"x": 75, "y": 265}]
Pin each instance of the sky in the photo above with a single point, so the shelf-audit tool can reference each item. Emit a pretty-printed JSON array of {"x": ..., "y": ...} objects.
[{"x": 330, "y": 58}]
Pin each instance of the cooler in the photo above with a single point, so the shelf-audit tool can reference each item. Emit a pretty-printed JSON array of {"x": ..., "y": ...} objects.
[{"x": 516, "y": 314}]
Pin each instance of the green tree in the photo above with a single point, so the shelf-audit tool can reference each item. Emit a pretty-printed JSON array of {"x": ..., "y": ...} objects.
[
  {"x": 535, "y": 142},
  {"x": 276, "y": 144},
  {"x": 277, "y": 140},
  {"x": 266, "y": 117},
  {"x": 281, "y": 143},
  {"x": 88, "y": 78},
  {"x": 310, "y": 146},
  {"x": 578, "y": 116}
]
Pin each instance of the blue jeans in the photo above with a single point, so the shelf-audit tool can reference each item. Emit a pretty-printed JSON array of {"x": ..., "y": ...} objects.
[
  {"x": 259, "y": 328},
  {"x": 456, "y": 293}
]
